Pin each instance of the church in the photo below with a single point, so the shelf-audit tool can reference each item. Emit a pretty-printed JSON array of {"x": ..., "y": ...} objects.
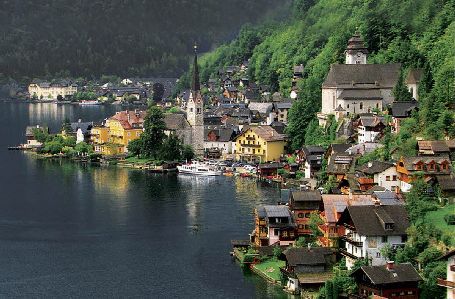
[{"x": 357, "y": 87}]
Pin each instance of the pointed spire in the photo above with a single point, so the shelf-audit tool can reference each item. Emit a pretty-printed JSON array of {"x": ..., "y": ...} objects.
[{"x": 195, "y": 83}]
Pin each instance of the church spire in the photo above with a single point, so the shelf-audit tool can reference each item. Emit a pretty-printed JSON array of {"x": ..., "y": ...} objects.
[{"x": 195, "y": 83}]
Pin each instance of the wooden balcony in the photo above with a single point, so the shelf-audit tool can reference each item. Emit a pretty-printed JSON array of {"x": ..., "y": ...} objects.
[
  {"x": 445, "y": 283},
  {"x": 348, "y": 238},
  {"x": 344, "y": 252}
]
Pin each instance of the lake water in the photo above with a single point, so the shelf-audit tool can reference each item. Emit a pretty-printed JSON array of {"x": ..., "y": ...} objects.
[{"x": 68, "y": 230}]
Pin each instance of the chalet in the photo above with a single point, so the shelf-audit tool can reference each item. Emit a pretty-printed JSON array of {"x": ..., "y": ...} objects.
[
  {"x": 269, "y": 169},
  {"x": 400, "y": 111},
  {"x": 433, "y": 148},
  {"x": 384, "y": 174},
  {"x": 369, "y": 228},
  {"x": 336, "y": 149},
  {"x": 273, "y": 226},
  {"x": 231, "y": 92},
  {"x": 429, "y": 166},
  {"x": 339, "y": 165},
  {"x": 392, "y": 280},
  {"x": 446, "y": 184},
  {"x": 307, "y": 268},
  {"x": 449, "y": 281},
  {"x": 363, "y": 148},
  {"x": 266, "y": 111},
  {"x": 370, "y": 128},
  {"x": 302, "y": 204},
  {"x": 311, "y": 157}
]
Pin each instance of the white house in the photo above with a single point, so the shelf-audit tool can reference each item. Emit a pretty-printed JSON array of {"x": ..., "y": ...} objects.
[
  {"x": 449, "y": 281},
  {"x": 371, "y": 228},
  {"x": 370, "y": 128},
  {"x": 385, "y": 174}
]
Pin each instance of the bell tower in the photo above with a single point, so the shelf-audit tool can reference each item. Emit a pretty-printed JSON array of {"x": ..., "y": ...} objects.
[
  {"x": 356, "y": 52},
  {"x": 195, "y": 110}
]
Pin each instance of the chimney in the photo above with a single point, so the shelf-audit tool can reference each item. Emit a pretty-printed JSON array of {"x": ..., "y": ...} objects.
[
  {"x": 370, "y": 164},
  {"x": 390, "y": 265}
]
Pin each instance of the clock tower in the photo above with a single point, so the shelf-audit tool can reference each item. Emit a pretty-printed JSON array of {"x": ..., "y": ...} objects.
[{"x": 356, "y": 52}]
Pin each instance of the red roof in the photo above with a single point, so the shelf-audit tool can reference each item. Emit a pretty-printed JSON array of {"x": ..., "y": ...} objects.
[{"x": 130, "y": 119}]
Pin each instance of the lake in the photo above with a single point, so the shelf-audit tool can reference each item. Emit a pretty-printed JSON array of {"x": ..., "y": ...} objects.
[{"x": 69, "y": 230}]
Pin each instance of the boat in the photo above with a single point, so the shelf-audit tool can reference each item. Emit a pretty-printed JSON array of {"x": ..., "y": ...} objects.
[
  {"x": 199, "y": 168},
  {"x": 87, "y": 103}
]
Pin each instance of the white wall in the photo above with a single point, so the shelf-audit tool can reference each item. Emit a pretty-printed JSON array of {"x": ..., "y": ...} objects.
[
  {"x": 226, "y": 147},
  {"x": 381, "y": 179}
]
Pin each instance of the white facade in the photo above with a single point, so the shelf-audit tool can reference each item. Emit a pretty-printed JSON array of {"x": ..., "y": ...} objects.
[
  {"x": 370, "y": 247},
  {"x": 388, "y": 179},
  {"x": 413, "y": 89},
  {"x": 405, "y": 187},
  {"x": 49, "y": 91},
  {"x": 366, "y": 135},
  {"x": 274, "y": 237},
  {"x": 225, "y": 147},
  {"x": 79, "y": 136},
  {"x": 450, "y": 277},
  {"x": 356, "y": 58}
]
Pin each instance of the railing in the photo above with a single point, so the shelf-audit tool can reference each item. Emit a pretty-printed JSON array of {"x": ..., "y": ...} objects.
[
  {"x": 348, "y": 239},
  {"x": 445, "y": 283},
  {"x": 344, "y": 252},
  {"x": 251, "y": 145}
]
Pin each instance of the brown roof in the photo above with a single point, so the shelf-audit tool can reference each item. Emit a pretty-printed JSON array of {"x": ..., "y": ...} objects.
[
  {"x": 267, "y": 133},
  {"x": 304, "y": 256},
  {"x": 414, "y": 76},
  {"x": 337, "y": 203},
  {"x": 356, "y": 94},
  {"x": 175, "y": 121},
  {"x": 376, "y": 167},
  {"x": 380, "y": 275},
  {"x": 446, "y": 182},
  {"x": 363, "y": 75},
  {"x": 130, "y": 119},
  {"x": 409, "y": 162}
]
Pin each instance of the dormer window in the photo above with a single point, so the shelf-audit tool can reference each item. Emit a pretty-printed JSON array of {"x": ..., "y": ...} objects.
[{"x": 388, "y": 226}]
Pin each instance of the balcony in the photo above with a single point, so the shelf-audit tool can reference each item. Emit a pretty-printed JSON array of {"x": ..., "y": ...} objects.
[
  {"x": 445, "y": 283},
  {"x": 262, "y": 223},
  {"x": 344, "y": 252},
  {"x": 251, "y": 145},
  {"x": 250, "y": 138},
  {"x": 348, "y": 238}
]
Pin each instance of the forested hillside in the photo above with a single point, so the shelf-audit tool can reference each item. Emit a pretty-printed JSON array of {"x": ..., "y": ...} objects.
[
  {"x": 118, "y": 37},
  {"x": 418, "y": 33}
]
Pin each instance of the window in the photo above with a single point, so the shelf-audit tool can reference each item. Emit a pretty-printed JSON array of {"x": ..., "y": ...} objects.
[
  {"x": 384, "y": 239},
  {"x": 307, "y": 215},
  {"x": 300, "y": 226},
  {"x": 404, "y": 239},
  {"x": 191, "y": 109},
  {"x": 394, "y": 178},
  {"x": 361, "y": 105},
  {"x": 347, "y": 106},
  {"x": 378, "y": 254},
  {"x": 285, "y": 233},
  {"x": 301, "y": 215},
  {"x": 276, "y": 232},
  {"x": 387, "y": 178}
]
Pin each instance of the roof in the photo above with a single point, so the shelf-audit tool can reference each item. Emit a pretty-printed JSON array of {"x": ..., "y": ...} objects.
[
  {"x": 314, "y": 278},
  {"x": 130, "y": 119},
  {"x": 276, "y": 211},
  {"x": 298, "y": 69},
  {"x": 261, "y": 107},
  {"x": 387, "y": 198},
  {"x": 283, "y": 105},
  {"x": 409, "y": 162},
  {"x": 175, "y": 121},
  {"x": 360, "y": 94},
  {"x": 313, "y": 150},
  {"x": 356, "y": 43},
  {"x": 446, "y": 182},
  {"x": 436, "y": 146},
  {"x": 304, "y": 256},
  {"x": 267, "y": 133},
  {"x": 403, "y": 109},
  {"x": 363, "y": 75},
  {"x": 339, "y": 148},
  {"x": 369, "y": 220},
  {"x": 371, "y": 121},
  {"x": 414, "y": 76},
  {"x": 376, "y": 167},
  {"x": 313, "y": 195},
  {"x": 335, "y": 204},
  {"x": 399, "y": 274},
  {"x": 270, "y": 165}
]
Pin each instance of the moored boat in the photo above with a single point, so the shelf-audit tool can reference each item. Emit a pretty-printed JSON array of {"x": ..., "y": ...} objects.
[{"x": 199, "y": 168}]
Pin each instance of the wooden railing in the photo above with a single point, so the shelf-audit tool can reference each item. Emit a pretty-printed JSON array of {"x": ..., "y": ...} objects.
[{"x": 446, "y": 283}]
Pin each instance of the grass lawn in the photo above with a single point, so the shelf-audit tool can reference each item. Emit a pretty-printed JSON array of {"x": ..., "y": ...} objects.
[
  {"x": 137, "y": 160},
  {"x": 437, "y": 218},
  {"x": 271, "y": 268}
]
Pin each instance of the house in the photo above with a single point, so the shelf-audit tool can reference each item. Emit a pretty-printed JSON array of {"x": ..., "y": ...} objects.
[
  {"x": 363, "y": 148},
  {"x": 392, "y": 280},
  {"x": 369, "y": 228},
  {"x": 384, "y": 174},
  {"x": 30, "y": 135},
  {"x": 81, "y": 130},
  {"x": 273, "y": 226},
  {"x": 282, "y": 111},
  {"x": 269, "y": 169},
  {"x": 220, "y": 139},
  {"x": 429, "y": 166},
  {"x": 412, "y": 82},
  {"x": 259, "y": 144},
  {"x": 400, "y": 111},
  {"x": 370, "y": 128},
  {"x": 302, "y": 204},
  {"x": 265, "y": 110},
  {"x": 449, "y": 281},
  {"x": 357, "y": 87},
  {"x": 339, "y": 164},
  {"x": 433, "y": 148},
  {"x": 307, "y": 268},
  {"x": 333, "y": 207},
  {"x": 231, "y": 92},
  {"x": 311, "y": 156},
  {"x": 297, "y": 74},
  {"x": 54, "y": 90},
  {"x": 446, "y": 185},
  {"x": 118, "y": 131}
]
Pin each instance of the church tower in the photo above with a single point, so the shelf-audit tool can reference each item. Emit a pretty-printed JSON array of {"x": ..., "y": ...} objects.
[
  {"x": 356, "y": 52},
  {"x": 195, "y": 110}
]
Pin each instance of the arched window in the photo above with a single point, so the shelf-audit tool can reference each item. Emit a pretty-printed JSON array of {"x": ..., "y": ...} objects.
[{"x": 361, "y": 105}]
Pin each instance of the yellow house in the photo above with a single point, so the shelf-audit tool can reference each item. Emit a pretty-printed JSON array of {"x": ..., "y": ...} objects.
[
  {"x": 48, "y": 90},
  {"x": 260, "y": 144},
  {"x": 119, "y": 130}
]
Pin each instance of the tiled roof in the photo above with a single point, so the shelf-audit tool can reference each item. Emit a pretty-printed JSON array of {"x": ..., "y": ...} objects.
[
  {"x": 313, "y": 195},
  {"x": 371, "y": 121},
  {"x": 267, "y": 133},
  {"x": 276, "y": 211},
  {"x": 363, "y": 94},
  {"x": 403, "y": 109},
  {"x": 130, "y": 119},
  {"x": 304, "y": 256},
  {"x": 337, "y": 203},
  {"x": 176, "y": 121},
  {"x": 376, "y": 167}
]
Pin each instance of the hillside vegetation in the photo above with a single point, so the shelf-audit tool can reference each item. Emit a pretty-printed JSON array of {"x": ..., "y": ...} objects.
[{"x": 418, "y": 33}]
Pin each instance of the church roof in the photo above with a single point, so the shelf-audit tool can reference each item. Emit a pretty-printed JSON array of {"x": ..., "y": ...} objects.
[
  {"x": 363, "y": 76},
  {"x": 195, "y": 83},
  {"x": 356, "y": 44},
  {"x": 355, "y": 94},
  {"x": 175, "y": 121},
  {"x": 414, "y": 76}
]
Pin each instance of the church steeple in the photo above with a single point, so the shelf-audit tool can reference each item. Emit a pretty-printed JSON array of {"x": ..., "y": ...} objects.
[
  {"x": 356, "y": 51},
  {"x": 195, "y": 83}
]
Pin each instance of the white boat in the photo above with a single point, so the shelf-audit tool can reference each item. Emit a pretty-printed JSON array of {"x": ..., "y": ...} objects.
[
  {"x": 89, "y": 103},
  {"x": 200, "y": 168}
]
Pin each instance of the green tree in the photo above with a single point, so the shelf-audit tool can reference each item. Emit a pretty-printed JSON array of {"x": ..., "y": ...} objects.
[
  {"x": 153, "y": 135},
  {"x": 66, "y": 126},
  {"x": 83, "y": 148},
  {"x": 135, "y": 147},
  {"x": 187, "y": 152},
  {"x": 420, "y": 200},
  {"x": 41, "y": 135},
  {"x": 400, "y": 91},
  {"x": 171, "y": 149}
]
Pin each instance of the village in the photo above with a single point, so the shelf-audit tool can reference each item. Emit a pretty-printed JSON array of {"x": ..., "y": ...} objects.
[{"x": 343, "y": 214}]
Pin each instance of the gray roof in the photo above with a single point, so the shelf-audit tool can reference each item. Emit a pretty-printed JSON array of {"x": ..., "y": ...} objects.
[
  {"x": 387, "y": 198},
  {"x": 376, "y": 167},
  {"x": 284, "y": 105},
  {"x": 304, "y": 256},
  {"x": 403, "y": 109},
  {"x": 84, "y": 126},
  {"x": 313, "y": 195},
  {"x": 176, "y": 121},
  {"x": 399, "y": 274},
  {"x": 276, "y": 211},
  {"x": 363, "y": 75},
  {"x": 369, "y": 220},
  {"x": 261, "y": 107},
  {"x": 360, "y": 94}
]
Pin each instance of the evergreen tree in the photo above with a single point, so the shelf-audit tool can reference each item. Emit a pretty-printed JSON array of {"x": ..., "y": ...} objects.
[
  {"x": 153, "y": 135},
  {"x": 400, "y": 91},
  {"x": 171, "y": 149}
]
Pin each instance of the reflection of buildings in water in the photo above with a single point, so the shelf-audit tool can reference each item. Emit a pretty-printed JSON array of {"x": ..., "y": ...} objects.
[
  {"x": 195, "y": 188},
  {"x": 41, "y": 113},
  {"x": 111, "y": 181}
]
